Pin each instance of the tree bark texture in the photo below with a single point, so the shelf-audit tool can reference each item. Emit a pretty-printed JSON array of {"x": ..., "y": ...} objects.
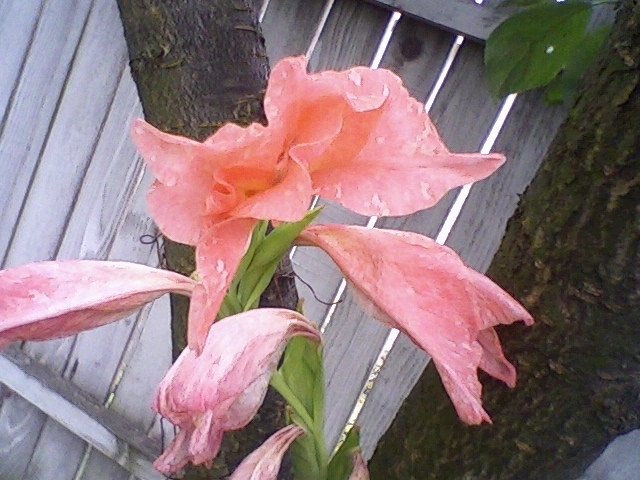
[
  {"x": 571, "y": 254},
  {"x": 198, "y": 64}
]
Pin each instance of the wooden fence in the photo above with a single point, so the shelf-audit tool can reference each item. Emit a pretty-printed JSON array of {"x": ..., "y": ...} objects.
[{"x": 72, "y": 186}]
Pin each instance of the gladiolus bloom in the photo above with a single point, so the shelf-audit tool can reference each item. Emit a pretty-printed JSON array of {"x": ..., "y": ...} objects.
[
  {"x": 223, "y": 387},
  {"x": 354, "y": 136},
  {"x": 411, "y": 283},
  {"x": 46, "y": 300},
  {"x": 264, "y": 462}
]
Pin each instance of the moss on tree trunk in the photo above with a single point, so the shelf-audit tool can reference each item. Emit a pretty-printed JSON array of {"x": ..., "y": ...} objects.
[
  {"x": 197, "y": 65},
  {"x": 571, "y": 254}
]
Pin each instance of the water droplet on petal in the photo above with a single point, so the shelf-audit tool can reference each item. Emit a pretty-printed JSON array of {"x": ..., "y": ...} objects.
[
  {"x": 356, "y": 78},
  {"x": 219, "y": 266}
]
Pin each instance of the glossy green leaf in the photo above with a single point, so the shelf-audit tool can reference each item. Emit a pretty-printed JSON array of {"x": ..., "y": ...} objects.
[
  {"x": 531, "y": 47},
  {"x": 564, "y": 87},
  {"x": 341, "y": 463}
]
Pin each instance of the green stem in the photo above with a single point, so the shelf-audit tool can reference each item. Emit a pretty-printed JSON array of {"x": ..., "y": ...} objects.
[{"x": 280, "y": 385}]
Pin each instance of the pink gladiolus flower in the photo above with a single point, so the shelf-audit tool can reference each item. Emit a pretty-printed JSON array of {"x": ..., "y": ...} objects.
[
  {"x": 222, "y": 388},
  {"x": 423, "y": 289},
  {"x": 264, "y": 462},
  {"x": 355, "y": 136},
  {"x": 46, "y": 300}
]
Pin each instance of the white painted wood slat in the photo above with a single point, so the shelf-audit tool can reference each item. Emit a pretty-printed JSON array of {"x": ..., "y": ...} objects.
[
  {"x": 464, "y": 17},
  {"x": 26, "y": 125},
  {"x": 73, "y": 409},
  {"x": 17, "y": 23}
]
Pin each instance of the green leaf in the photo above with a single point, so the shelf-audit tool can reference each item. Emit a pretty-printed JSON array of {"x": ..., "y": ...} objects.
[
  {"x": 563, "y": 88},
  {"x": 304, "y": 460},
  {"x": 265, "y": 260},
  {"x": 341, "y": 463},
  {"x": 303, "y": 372},
  {"x": 300, "y": 380},
  {"x": 529, "y": 48}
]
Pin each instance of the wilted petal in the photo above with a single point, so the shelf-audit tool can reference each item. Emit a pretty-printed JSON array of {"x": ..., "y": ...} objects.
[
  {"x": 46, "y": 300},
  {"x": 367, "y": 143},
  {"x": 264, "y": 462},
  {"x": 359, "y": 471},
  {"x": 222, "y": 388},
  {"x": 425, "y": 290}
]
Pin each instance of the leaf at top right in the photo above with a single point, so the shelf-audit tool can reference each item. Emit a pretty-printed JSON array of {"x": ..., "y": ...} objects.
[{"x": 531, "y": 47}]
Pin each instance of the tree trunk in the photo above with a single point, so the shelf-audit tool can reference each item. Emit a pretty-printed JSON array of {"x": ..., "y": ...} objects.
[
  {"x": 571, "y": 254},
  {"x": 197, "y": 65}
]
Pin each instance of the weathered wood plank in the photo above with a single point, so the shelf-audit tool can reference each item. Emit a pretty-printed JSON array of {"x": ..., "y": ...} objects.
[
  {"x": 289, "y": 27},
  {"x": 18, "y": 20},
  {"x": 350, "y": 36},
  {"x": 71, "y": 141},
  {"x": 145, "y": 366},
  {"x": 464, "y": 17},
  {"x": 60, "y": 455},
  {"x": 100, "y": 467},
  {"x": 71, "y": 407},
  {"x": 416, "y": 52},
  {"x": 26, "y": 125},
  {"x": 93, "y": 361},
  {"x": 20, "y": 426}
]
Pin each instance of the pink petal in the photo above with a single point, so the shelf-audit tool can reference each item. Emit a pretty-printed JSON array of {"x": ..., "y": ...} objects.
[
  {"x": 228, "y": 175},
  {"x": 264, "y": 462},
  {"x": 367, "y": 143},
  {"x": 218, "y": 255},
  {"x": 359, "y": 471},
  {"x": 46, "y": 300},
  {"x": 222, "y": 387},
  {"x": 410, "y": 282},
  {"x": 287, "y": 201}
]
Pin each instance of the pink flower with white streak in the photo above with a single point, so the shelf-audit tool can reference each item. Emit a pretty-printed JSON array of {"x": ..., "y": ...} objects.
[
  {"x": 222, "y": 388},
  {"x": 355, "y": 136},
  {"x": 46, "y": 300},
  {"x": 411, "y": 283}
]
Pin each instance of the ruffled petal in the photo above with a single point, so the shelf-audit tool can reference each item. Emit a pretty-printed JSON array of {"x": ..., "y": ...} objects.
[
  {"x": 286, "y": 201},
  {"x": 367, "y": 143},
  {"x": 46, "y": 300},
  {"x": 410, "y": 282}
]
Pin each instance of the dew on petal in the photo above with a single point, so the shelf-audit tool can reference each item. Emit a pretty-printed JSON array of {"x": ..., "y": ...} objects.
[
  {"x": 355, "y": 77},
  {"x": 381, "y": 205},
  {"x": 219, "y": 266}
]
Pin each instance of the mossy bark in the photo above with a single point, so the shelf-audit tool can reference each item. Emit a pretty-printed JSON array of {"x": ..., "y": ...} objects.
[
  {"x": 197, "y": 65},
  {"x": 571, "y": 254}
]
